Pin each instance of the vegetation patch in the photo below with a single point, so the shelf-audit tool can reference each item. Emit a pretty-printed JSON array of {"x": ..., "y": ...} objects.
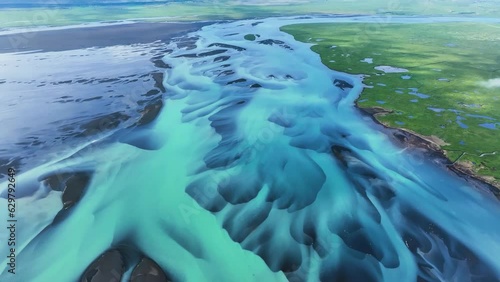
[{"x": 439, "y": 80}]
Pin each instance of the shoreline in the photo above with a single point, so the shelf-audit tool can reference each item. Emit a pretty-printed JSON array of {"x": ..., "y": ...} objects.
[
  {"x": 430, "y": 149},
  {"x": 332, "y": 42}
]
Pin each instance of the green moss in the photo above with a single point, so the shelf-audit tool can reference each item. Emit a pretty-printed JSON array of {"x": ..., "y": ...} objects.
[
  {"x": 250, "y": 37},
  {"x": 447, "y": 62}
]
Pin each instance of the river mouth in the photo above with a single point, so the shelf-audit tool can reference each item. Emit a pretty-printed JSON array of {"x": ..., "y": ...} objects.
[{"x": 256, "y": 159}]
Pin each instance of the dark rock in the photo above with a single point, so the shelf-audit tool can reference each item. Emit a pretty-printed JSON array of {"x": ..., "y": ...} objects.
[
  {"x": 221, "y": 59},
  {"x": 189, "y": 55},
  {"x": 91, "y": 99},
  {"x": 152, "y": 92},
  {"x": 223, "y": 45},
  {"x": 74, "y": 188},
  {"x": 159, "y": 63},
  {"x": 342, "y": 84},
  {"x": 109, "y": 267},
  {"x": 150, "y": 112},
  {"x": 271, "y": 42},
  {"x": 102, "y": 123},
  {"x": 275, "y": 42},
  {"x": 226, "y": 73},
  {"x": 107, "y": 80},
  {"x": 148, "y": 271},
  {"x": 56, "y": 182},
  {"x": 158, "y": 78},
  {"x": 188, "y": 43},
  {"x": 236, "y": 81},
  {"x": 211, "y": 53},
  {"x": 63, "y": 82}
]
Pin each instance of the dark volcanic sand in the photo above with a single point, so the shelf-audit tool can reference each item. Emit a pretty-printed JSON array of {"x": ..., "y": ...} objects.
[
  {"x": 64, "y": 92},
  {"x": 100, "y": 36}
]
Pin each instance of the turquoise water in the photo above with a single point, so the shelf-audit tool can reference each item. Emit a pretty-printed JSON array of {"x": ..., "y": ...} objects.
[{"x": 259, "y": 168}]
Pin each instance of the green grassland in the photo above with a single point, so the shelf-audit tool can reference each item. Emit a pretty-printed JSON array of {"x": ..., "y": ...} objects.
[
  {"x": 227, "y": 9},
  {"x": 448, "y": 62}
]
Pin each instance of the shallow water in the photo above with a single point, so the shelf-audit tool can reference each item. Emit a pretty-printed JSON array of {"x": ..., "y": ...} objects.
[
  {"x": 77, "y": 95},
  {"x": 488, "y": 125},
  {"x": 259, "y": 167}
]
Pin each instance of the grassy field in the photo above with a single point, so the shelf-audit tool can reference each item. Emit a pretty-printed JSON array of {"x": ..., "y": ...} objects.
[
  {"x": 225, "y": 9},
  {"x": 451, "y": 89}
]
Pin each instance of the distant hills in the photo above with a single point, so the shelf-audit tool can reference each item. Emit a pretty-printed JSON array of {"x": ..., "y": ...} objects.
[
  {"x": 65, "y": 3},
  {"x": 59, "y": 2},
  {"x": 78, "y": 2}
]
